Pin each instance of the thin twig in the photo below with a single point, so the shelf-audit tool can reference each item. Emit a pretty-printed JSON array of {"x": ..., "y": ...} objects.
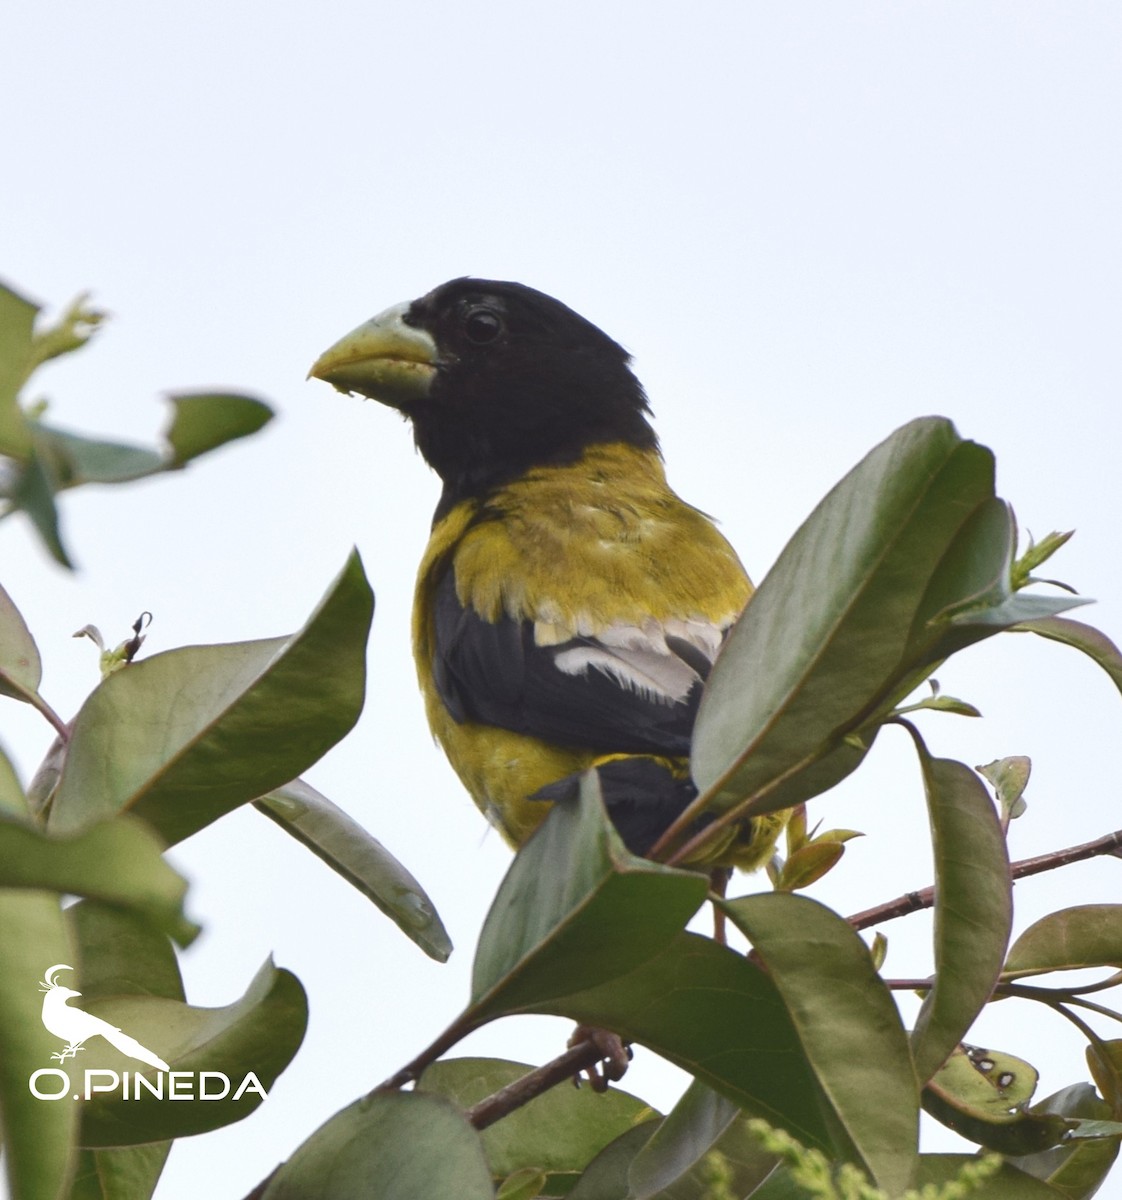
[
  {"x": 582, "y": 1057},
  {"x": 1110, "y": 843},
  {"x": 912, "y": 902}
]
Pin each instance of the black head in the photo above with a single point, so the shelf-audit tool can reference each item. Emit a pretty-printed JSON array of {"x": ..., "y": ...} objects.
[{"x": 496, "y": 378}]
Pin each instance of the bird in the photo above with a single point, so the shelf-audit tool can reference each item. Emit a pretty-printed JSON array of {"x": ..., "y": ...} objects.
[
  {"x": 569, "y": 605},
  {"x": 75, "y": 1026}
]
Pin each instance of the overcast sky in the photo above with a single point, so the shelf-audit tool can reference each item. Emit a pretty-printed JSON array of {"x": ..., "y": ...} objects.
[{"x": 809, "y": 223}]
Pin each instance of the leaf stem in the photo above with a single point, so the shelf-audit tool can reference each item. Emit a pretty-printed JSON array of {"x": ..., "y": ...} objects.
[
  {"x": 911, "y": 902},
  {"x": 1046, "y": 996},
  {"x": 32, "y": 697},
  {"x": 737, "y": 813},
  {"x": 60, "y": 726},
  {"x": 1054, "y": 998},
  {"x": 1102, "y": 985},
  {"x": 412, "y": 1071}
]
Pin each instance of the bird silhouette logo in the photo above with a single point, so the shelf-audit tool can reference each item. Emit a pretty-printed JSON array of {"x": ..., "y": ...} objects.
[{"x": 76, "y": 1027}]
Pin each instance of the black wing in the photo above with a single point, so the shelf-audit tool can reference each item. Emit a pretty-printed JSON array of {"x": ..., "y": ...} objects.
[{"x": 627, "y": 694}]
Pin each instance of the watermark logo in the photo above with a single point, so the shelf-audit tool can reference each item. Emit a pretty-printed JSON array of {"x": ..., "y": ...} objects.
[{"x": 76, "y": 1027}]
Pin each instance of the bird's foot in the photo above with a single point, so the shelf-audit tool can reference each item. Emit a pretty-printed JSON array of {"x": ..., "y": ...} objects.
[{"x": 614, "y": 1056}]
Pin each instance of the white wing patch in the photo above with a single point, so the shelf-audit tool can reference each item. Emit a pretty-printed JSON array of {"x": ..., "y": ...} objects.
[{"x": 639, "y": 658}]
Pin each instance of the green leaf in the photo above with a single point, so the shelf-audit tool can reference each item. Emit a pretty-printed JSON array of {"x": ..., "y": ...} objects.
[
  {"x": 526, "y": 1184},
  {"x": 119, "y": 1172},
  {"x": 38, "y": 1136},
  {"x": 719, "y": 1017},
  {"x": 796, "y": 831},
  {"x": 878, "y": 951},
  {"x": 823, "y": 640},
  {"x": 200, "y": 423},
  {"x": 558, "y": 1132},
  {"x": 973, "y": 593},
  {"x": 825, "y": 633},
  {"x": 953, "y": 1177},
  {"x": 34, "y": 494},
  {"x": 1104, "y": 1059},
  {"x": 695, "y": 1123},
  {"x": 118, "y": 861},
  {"x": 360, "y": 859},
  {"x": 680, "y": 1153},
  {"x": 981, "y": 1095},
  {"x": 120, "y": 954},
  {"x": 1008, "y": 1184},
  {"x": 1078, "y": 1168},
  {"x": 935, "y": 1171},
  {"x": 13, "y": 803},
  {"x": 204, "y": 421},
  {"x": 20, "y": 667},
  {"x": 77, "y": 460},
  {"x": 973, "y": 908},
  {"x": 607, "y": 1175},
  {"x": 1095, "y": 644},
  {"x": 258, "y": 1034},
  {"x": 808, "y": 864},
  {"x": 847, "y": 1022},
  {"x": 1089, "y": 935},
  {"x": 17, "y": 321},
  {"x": 69, "y": 332},
  {"x": 1008, "y": 777},
  {"x": 640, "y": 1160},
  {"x": 45, "y": 460},
  {"x": 906, "y": 560},
  {"x": 574, "y": 910},
  {"x": 41, "y": 789},
  {"x": 185, "y": 736},
  {"x": 1036, "y": 554},
  {"x": 370, "y": 1149},
  {"x": 941, "y": 703}
]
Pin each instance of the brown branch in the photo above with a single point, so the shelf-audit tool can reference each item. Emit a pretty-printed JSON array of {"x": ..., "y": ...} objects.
[
  {"x": 586, "y": 1054},
  {"x": 582, "y": 1057},
  {"x": 1110, "y": 843},
  {"x": 912, "y": 902}
]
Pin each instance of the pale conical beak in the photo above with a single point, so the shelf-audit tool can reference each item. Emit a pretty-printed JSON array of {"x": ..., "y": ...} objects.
[{"x": 384, "y": 359}]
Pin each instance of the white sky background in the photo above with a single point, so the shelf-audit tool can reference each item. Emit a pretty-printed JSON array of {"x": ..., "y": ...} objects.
[{"x": 809, "y": 223}]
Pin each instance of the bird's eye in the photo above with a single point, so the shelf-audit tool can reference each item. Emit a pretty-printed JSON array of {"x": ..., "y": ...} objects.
[{"x": 482, "y": 325}]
